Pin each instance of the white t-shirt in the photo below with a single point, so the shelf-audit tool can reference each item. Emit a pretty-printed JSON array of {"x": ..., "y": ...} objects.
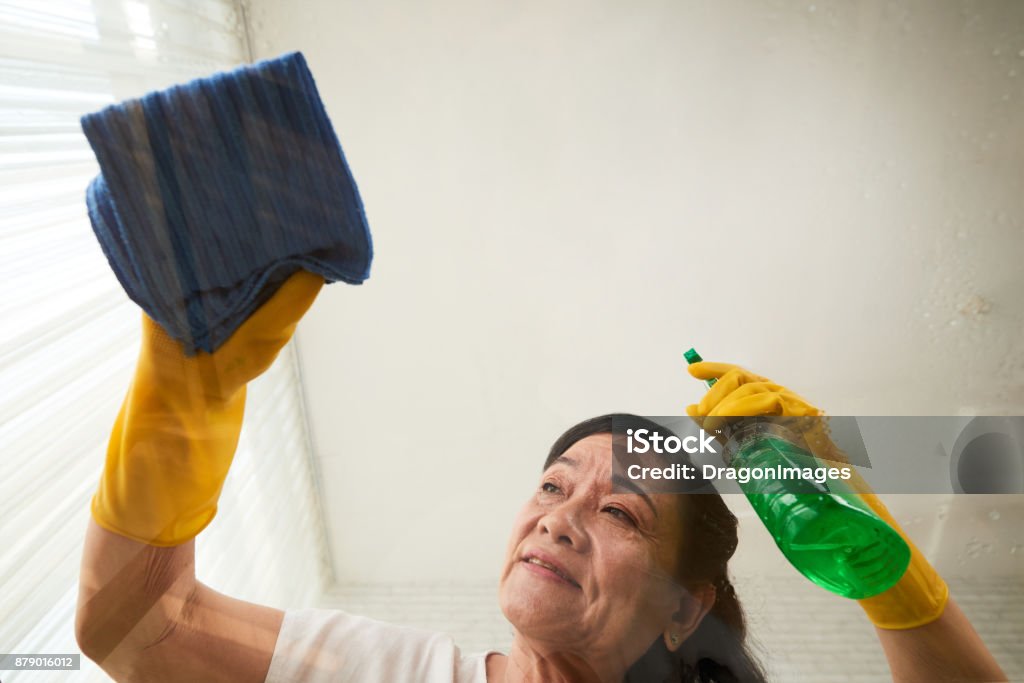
[{"x": 330, "y": 646}]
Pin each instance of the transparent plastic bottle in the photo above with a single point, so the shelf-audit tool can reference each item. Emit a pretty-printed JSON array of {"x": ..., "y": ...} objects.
[{"x": 825, "y": 530}]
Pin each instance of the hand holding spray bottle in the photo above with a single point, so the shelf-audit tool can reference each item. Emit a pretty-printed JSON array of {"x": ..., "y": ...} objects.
[{"x": 824, "y": 529}]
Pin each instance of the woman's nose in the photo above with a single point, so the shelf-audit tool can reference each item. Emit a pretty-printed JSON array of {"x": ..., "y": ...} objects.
[{"x": 564, "y": 524}]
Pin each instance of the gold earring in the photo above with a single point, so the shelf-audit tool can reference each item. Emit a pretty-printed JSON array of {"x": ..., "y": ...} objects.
[{"x": 675, "y": 639}]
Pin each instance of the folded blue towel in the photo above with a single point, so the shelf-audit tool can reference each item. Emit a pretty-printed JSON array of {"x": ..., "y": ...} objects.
[{"x": 212, "y": 193}]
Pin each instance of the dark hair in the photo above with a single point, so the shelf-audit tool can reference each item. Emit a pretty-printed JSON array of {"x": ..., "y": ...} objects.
[{"x": 716, "y": 652}]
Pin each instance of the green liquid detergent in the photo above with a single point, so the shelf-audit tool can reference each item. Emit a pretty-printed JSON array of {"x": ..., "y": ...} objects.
[{"x": 826, "y": 531}]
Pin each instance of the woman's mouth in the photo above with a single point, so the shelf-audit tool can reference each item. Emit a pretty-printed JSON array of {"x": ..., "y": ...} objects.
[{"x": 545, "y": 567}]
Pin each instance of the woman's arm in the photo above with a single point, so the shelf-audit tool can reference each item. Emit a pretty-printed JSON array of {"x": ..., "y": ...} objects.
[
  {"x": 948, "y": 649},
  {"x": 142, "y": 616},
  {"x": 141, "y": 613}
]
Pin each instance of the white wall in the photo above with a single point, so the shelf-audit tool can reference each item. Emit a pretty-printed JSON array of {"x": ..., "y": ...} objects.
[{"x": 565, "y": 196}]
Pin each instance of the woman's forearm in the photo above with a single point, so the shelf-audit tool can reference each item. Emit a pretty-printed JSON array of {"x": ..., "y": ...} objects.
[
  {"x": 948, "y": 649},
  {"x": 143, "y": 616},
  {"x": 129, "y": 594}
]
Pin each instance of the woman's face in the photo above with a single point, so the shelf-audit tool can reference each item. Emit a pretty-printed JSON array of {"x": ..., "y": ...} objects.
[{"x": 588, "y": 571}]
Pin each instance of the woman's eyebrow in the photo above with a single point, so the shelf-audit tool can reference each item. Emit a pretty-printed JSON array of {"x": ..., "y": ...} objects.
[
  {"x": 565, "y": 459},
  {"x": 619, "y": 481}
]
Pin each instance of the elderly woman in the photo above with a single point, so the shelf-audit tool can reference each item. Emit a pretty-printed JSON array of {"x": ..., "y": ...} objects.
[{"x": 599, "y": 585}]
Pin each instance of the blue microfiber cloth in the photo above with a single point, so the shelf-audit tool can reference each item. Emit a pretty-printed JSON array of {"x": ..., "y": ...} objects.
[{"x": 212, "y": 193}]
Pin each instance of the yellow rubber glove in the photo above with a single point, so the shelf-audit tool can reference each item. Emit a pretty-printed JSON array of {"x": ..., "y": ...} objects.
[
  {"x": 176, "y": 433},
  {"x": 920, "y": 596}
]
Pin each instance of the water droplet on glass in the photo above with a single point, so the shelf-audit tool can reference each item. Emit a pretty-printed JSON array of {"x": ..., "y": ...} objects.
[
  {"x": 975, "y": 306},
  {"x": 993, "y": 515}
]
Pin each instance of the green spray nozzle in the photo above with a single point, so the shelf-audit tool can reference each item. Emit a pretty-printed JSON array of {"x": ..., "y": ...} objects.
[{"x": 692, "y": 357}]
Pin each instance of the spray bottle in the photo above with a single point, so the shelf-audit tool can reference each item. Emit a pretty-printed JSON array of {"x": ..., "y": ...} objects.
[{"x": 825, "y": 530}]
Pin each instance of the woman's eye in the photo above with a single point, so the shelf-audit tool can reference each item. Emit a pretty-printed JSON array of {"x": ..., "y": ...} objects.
[
  {"x": 548, "y": 487},
  {"x": 619, "y": 513}
]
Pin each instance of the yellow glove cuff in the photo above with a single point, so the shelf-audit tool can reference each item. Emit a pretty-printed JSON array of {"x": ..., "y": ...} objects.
[
  {"x": 918, "y": 598},
  {"x": 165, "y": 470}
]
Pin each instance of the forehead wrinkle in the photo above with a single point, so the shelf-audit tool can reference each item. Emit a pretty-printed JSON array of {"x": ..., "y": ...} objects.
[
  {"x": 586, "y": 460},
  {"x": 565, "y": 460}
]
